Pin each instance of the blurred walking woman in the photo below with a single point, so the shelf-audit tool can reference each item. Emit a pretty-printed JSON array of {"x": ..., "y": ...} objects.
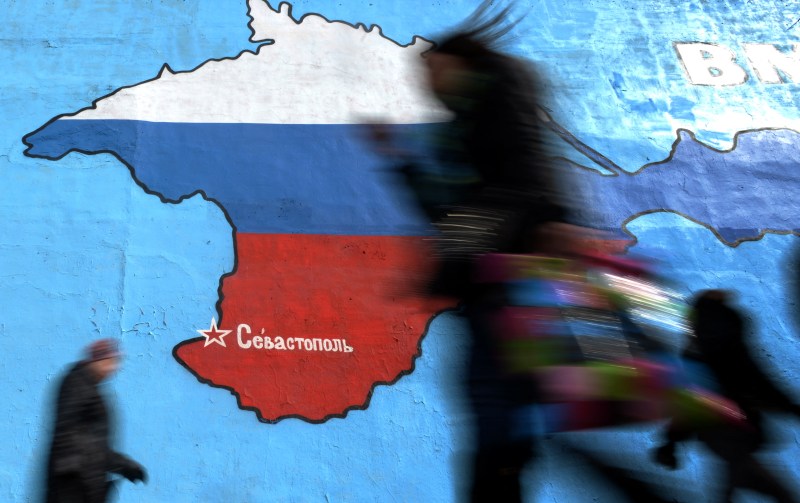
[{"x": 492, "y": 190}]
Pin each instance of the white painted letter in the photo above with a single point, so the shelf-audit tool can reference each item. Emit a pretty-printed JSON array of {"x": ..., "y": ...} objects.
[
  {"x": 710, "y": 64},
  {"x": 243, "y": 328},
  {"x": 767, "y": 60}
]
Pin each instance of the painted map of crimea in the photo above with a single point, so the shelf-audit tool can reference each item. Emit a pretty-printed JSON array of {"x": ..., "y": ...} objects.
[{"x": 310, "y": 319}]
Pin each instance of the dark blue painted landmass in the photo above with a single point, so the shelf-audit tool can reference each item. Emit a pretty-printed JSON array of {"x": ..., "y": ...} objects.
[
  {"x": 321, "y": 179},
  {"x": 739, "y": 194}
]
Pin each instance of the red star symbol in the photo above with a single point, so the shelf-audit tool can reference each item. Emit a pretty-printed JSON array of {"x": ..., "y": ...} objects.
[{"x": 214, "y": 334}]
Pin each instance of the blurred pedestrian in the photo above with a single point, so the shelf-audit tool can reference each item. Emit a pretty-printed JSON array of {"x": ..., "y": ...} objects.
[
  {"x": 81, "y": 457},
  {"x": 491, "y": 189},
  {"x": 720, "y": 345}
]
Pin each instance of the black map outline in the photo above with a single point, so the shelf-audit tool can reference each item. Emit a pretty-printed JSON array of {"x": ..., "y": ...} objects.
[
  {"x": 557, "y": 128},
  {"x": 234, "y": 230}
]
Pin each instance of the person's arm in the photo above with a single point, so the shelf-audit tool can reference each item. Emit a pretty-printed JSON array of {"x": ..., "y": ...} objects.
[
  {"x": 125, "y": 466},
  {"x": 739, "y": 372},
  {"x": 762, "y": 388}
]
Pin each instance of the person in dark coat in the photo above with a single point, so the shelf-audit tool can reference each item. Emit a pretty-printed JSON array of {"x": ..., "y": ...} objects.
[
  {"x": 81, "y": 457},
  {"x": 720, "y": 344}
]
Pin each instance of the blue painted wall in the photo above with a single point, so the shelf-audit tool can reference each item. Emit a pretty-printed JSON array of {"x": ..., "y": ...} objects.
[{"x": 86, "y": 253}]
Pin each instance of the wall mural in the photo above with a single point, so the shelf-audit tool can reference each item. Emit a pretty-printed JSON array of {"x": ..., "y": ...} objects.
[
  {"x": 319, "y": 237},
  {"x": 257, "y": 245}
]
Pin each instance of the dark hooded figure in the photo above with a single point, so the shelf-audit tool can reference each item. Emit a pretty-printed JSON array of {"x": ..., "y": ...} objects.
[
  {"x": 81, "y": 457},
  {"x": 720, "y": 344},
  {"x": 493, "y": 190}
]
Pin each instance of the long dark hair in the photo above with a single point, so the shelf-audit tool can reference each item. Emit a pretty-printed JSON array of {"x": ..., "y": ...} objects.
[{"x": 482, "y": 35}]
